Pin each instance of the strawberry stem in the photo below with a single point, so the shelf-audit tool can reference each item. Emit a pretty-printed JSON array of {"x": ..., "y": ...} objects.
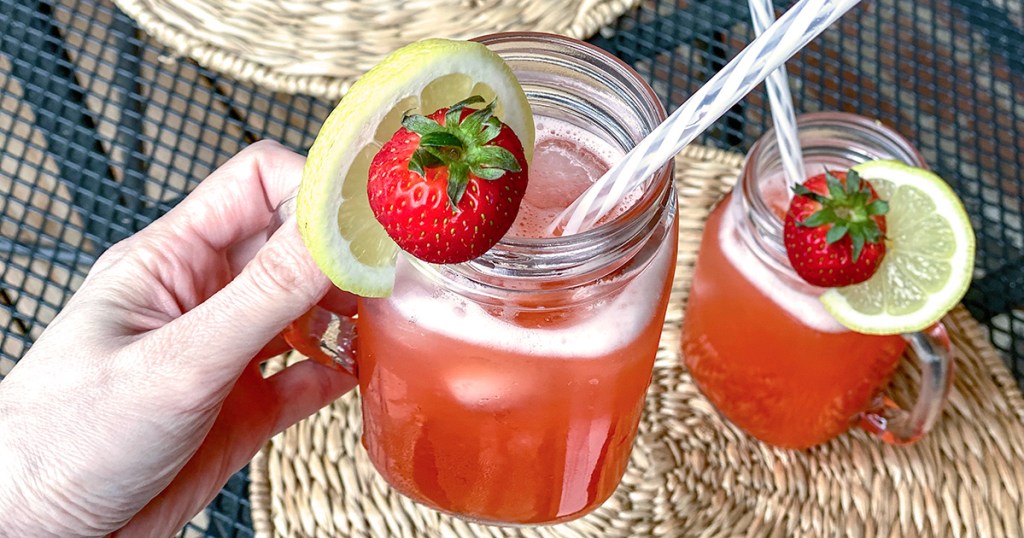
[
  {"x": 460, "y": 146},
  {"x": 847, "y": 210}
]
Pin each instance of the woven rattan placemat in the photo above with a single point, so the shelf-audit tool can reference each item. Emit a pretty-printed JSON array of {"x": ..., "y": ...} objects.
[
  {"x": 691, "y": 473},
  {"x": 319, "y": 47}
]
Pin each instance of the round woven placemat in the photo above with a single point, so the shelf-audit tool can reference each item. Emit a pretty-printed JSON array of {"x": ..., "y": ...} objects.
[
  {"x": 691, "y": 473},
  {"x": 320, "y": 47}
]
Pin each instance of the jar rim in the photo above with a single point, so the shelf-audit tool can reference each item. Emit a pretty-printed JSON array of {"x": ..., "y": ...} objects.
[
  {"x": 646, "y": 94},
  {"x": 584, "y": 256},
  {"x": 767, "y": 223}
]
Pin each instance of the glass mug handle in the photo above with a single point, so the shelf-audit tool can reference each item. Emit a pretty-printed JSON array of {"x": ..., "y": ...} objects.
[
  {"x": 894, "y": 425},
  {"x": 323, "y": 336}
]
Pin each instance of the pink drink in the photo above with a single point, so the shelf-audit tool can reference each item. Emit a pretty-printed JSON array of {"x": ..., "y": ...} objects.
[
  {"x": 756, "y": 338},
  {"x": 763, "y": 349},
  {"x": 522, "y": 409},
  {"x": 566, "y": 161}
]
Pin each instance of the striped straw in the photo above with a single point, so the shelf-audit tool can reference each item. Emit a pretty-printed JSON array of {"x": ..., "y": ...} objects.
[
  {"x": 802, "y": 23},
  {"x": 762, "y": 14}
]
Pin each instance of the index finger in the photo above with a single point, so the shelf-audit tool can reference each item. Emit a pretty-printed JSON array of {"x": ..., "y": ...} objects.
[{"x": 238, "y": 199}]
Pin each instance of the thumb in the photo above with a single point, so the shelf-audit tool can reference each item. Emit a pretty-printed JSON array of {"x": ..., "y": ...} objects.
[{"x": 278, "y": 285}]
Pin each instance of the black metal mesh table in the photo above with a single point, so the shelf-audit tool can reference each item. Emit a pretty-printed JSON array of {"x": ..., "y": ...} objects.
[{"x": 102, "y": 130}]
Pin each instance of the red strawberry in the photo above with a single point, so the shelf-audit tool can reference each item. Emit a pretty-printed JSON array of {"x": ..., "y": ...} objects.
[
  {"x": 835, "y": 229},
  {"x": 447, "y": 186}
]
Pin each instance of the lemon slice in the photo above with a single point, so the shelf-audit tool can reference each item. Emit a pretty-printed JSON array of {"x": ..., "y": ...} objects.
[
  {"x": 928, "y": 260},
  {"x": 332, "y": 209}
]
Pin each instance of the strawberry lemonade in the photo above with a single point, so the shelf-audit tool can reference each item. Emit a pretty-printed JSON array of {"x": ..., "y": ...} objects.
[
  {"x": 520, "y": 410},
  {"x": 746, "y": 322},
  {"x": 759, "y": 338},
  {"x": 506, "y": 388}
]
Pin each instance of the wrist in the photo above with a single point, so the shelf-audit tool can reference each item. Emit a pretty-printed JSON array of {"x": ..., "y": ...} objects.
[
  {"x": 16, "y": 513},
  {"x": 31, "y": 504}
]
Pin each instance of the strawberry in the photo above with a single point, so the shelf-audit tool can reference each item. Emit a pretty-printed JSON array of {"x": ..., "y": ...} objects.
[
  {"x": 446, "y": 187},
  {"x": 835, "y": 229}
]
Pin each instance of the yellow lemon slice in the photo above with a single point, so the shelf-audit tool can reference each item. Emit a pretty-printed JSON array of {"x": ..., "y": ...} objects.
[
  {"x": 928, "y": 261},
  {"x": 332, "y": 209}
]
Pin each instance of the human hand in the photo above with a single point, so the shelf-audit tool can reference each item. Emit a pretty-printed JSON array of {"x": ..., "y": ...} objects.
[{"x": 145, "y": 394}]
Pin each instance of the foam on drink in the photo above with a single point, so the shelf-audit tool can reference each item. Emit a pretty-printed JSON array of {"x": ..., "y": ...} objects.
[
  {"x": 586, "y": 337},
  {"x": 566, "y": 161}
]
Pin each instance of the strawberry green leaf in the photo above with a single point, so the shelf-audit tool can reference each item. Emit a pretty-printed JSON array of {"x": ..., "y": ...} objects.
[
  {"x": 416, "y": 163},
  {"x": 802, "y": 190},
  {"x": 835, "y": 233},
  {"x": 471, "y": 100},
  {"x": 491, "y": 131},
  {"x": 440, "y": 139},
  {"x": 458, "y": 181},
  {"x": 878, "y": 207},
  {"x": 474, "y": 123},
  {"x": 494, "y": 157},
  {"x": 421, "y": 160},
  {"x": 858, "y": 245},
  {"x": 853, "y": 182},
  {"x": 420, "y": 125},
  {"x": 453, "y": 115},
  {"x": 835, "y": 188},
  {"x": 487, "y": 173},
  {"x": 819, "y": 218},
  {"x": 455, "y": 112}
]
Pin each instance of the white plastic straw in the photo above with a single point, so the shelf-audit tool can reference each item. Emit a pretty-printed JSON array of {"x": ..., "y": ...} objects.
[
  {"x": 762, "y": 14},
  {"x": 797, "y": 27}
]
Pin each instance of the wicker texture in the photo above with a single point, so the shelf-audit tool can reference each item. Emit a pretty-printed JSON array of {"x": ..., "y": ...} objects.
[
  {"x": 319, "y": 47},
  {"x": 691, "y": 473}
]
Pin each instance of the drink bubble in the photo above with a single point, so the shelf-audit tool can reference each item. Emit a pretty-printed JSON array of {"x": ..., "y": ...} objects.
[{"x": 566, "y": 161}]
